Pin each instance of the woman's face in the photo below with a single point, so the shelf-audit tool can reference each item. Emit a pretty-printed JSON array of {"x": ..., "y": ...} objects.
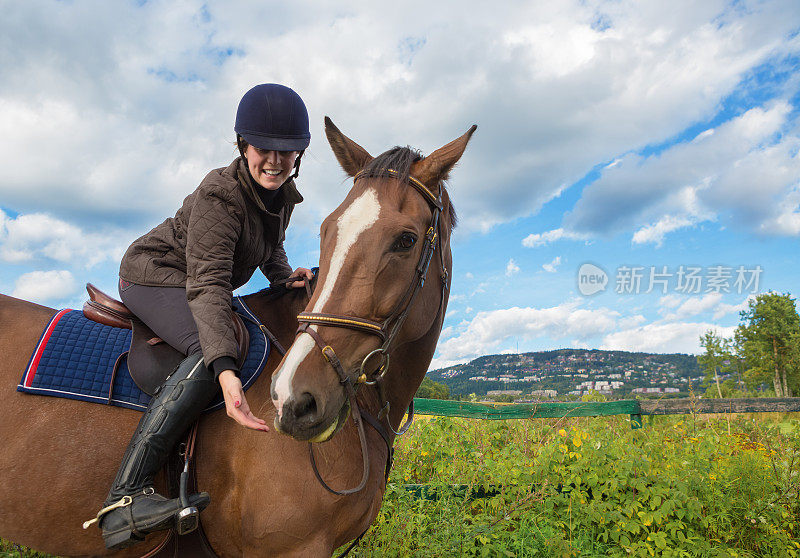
[{"x": 270, "y": 168}]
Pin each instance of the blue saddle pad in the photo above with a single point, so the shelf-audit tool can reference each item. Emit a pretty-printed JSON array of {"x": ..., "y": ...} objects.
[{"x": 76, "y": 357}]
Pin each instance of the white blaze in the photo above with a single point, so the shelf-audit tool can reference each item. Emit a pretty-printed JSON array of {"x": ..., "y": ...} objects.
[{"x": 357, "y": 218}]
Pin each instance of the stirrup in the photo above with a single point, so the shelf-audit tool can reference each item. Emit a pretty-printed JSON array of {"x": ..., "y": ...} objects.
[
  {"x": 188, "y": 519},
  {"x": 123, "y": 502}
]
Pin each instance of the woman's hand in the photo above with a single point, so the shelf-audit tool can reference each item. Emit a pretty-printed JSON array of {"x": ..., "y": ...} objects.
[
  {"x": 300, "y": 273},
  {"x": 235, "y": 403}
]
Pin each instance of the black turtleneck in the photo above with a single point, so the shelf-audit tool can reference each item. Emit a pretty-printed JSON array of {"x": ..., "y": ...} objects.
[{"x": 267, "y": 196}]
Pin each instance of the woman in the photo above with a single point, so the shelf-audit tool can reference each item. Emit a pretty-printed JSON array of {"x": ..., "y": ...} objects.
[{"x": 178, "y": 279}]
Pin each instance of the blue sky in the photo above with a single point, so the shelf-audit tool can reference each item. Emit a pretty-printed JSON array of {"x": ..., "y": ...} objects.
[{"x": 625, "y": 134}]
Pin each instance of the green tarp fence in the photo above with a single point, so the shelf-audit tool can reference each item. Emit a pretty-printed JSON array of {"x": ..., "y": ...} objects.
[{"x": 466, "y": 409}]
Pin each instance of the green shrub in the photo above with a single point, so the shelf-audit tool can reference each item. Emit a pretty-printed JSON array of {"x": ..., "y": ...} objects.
[{"x": 593, "y": 487}]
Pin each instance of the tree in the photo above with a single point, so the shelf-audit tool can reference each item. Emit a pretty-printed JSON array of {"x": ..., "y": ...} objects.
[
  {"x": 715, "y": 359},
  {"x": 432, "y": 390},
  {"x": 770, "y": 333}
]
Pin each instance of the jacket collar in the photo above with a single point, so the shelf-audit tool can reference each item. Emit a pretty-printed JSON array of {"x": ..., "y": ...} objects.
[{"x": 288, "y": 192}]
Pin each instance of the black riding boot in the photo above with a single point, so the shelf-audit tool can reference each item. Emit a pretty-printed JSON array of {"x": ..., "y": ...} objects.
[{"x": 178, "y": 403}]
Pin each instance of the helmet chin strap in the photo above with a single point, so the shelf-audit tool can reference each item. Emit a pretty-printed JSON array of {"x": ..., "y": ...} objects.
[{"x": 297, "y": 165}]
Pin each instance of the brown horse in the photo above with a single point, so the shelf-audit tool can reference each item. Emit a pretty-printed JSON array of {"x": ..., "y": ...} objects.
[{"x": 59, "y": 456}]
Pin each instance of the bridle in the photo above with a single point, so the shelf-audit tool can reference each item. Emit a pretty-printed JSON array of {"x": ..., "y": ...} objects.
[{"x": 387, "y": 330}]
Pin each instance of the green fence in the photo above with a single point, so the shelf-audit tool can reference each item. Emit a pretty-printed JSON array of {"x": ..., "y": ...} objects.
[{"x": 633, "y": 407}]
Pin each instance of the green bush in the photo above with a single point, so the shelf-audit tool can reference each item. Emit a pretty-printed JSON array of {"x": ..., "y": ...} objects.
[{"x": 593, "y": 487}]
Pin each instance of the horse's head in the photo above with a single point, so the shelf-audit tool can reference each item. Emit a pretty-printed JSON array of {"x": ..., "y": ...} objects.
[{"x": 376, "y": 248}]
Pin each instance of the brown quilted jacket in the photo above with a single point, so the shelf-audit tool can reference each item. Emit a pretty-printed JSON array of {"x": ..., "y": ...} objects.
[{"x": 212, "y": 246}]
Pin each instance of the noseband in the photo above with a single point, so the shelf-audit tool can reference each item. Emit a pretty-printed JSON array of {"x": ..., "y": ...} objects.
[{"x": 387, "y": 330}]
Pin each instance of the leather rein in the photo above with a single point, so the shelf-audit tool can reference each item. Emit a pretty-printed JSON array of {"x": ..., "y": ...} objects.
[{"x": 387, "y": 331}]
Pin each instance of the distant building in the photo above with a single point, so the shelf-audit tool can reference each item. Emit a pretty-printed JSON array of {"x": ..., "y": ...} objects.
[
  {"x": 494, "y": 392},
  {"x": 655, "y": 390}
]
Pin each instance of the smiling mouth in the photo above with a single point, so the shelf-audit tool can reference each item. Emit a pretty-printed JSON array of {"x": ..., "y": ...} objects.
[{"x": 272, "y": 172}]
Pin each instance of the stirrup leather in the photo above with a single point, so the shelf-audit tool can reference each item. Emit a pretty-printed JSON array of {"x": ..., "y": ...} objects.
[{"x": 123, "y": 502}]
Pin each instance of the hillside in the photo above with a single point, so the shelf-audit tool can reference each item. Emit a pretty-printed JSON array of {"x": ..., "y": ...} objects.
[{"x": 563, "y": 372}]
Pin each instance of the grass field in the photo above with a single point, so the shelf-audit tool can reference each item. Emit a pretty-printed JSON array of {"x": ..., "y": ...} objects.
[{"x": 680, "y": 486}]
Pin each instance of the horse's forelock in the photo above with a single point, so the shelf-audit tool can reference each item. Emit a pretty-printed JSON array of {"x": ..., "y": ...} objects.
[{"x": 400, "y": 160}]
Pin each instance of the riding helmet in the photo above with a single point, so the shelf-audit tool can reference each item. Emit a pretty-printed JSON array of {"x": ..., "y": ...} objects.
[{"x": 273, "y": 117}]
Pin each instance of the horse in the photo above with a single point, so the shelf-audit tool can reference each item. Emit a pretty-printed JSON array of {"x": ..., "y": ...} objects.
[{"x": 59, "y": 455}]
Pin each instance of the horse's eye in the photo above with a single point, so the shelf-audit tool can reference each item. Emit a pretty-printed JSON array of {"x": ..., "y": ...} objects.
[{"x": 404, "y": 242}]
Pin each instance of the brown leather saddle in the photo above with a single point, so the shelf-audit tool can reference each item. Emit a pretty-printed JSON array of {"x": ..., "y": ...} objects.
[{"x": 150, "y": 359}]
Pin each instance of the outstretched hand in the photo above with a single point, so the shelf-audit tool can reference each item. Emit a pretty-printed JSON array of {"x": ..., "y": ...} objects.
[{"x": 235, "y": 403}]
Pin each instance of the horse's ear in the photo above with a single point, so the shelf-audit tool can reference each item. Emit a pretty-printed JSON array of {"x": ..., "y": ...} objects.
[
  {"x": 350, "y": 155},
  {"x": 434, "y": 168}
]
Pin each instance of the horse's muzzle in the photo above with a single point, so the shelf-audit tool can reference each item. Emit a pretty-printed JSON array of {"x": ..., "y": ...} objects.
[{"x": 303, "y": 419}]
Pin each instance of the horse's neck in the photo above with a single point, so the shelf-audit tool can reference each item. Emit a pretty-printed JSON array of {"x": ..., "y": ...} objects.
[{"x": 278, "y": 314}]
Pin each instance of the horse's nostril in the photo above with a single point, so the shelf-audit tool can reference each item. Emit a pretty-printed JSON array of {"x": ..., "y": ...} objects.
[{"x": 305, "y": 406}]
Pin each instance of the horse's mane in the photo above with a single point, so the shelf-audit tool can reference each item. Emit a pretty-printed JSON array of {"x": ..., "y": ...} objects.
[
  {"x": 271, "y": 293},
  {"x": 400, "y": 160},
  {"x": 268, "y": 294}
]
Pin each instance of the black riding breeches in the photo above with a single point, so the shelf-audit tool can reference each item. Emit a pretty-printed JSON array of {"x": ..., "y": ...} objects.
[{"x": 166, "y": 311}]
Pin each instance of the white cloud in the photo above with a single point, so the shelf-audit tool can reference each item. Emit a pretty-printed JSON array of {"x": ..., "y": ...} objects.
[
  {"x": 45, "y": 286},
  {"x": 655, "y": 233},
  {"x": 132, "y": 128},
  {"x": 534, "y": 240},
  {"x": 746, "y": 171},
  {"x": 676, "y": 337},
  {"x": 573, "y": 324},
  {"x": 785, "y": 221},
  {"x": 675, "y": 307},
  {"x": 551, "y": 267},
  {"x": 511, "y": 268},
  {"x": 488, "y": 330},
  {"x": 693, "y": 306},
  {"x": 723, "y": 309},
  {"x": 670, "y": 300},
  {"x": 34, "y": 236}
]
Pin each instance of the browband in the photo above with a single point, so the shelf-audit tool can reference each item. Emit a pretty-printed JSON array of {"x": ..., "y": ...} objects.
[{"x": 417, "y": 184}]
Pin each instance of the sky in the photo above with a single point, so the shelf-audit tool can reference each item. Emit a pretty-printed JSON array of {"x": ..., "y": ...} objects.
[{"x": 634, "y": 180}]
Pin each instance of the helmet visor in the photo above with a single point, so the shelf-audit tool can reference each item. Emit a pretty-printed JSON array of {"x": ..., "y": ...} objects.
[{"x": 270, "y": 143}]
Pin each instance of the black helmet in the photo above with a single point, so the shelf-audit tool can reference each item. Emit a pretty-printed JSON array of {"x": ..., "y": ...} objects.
[{"x": 273, "y": 117}]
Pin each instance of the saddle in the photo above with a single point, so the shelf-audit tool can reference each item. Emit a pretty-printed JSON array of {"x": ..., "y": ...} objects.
[{"x": 150, "y": 359}]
